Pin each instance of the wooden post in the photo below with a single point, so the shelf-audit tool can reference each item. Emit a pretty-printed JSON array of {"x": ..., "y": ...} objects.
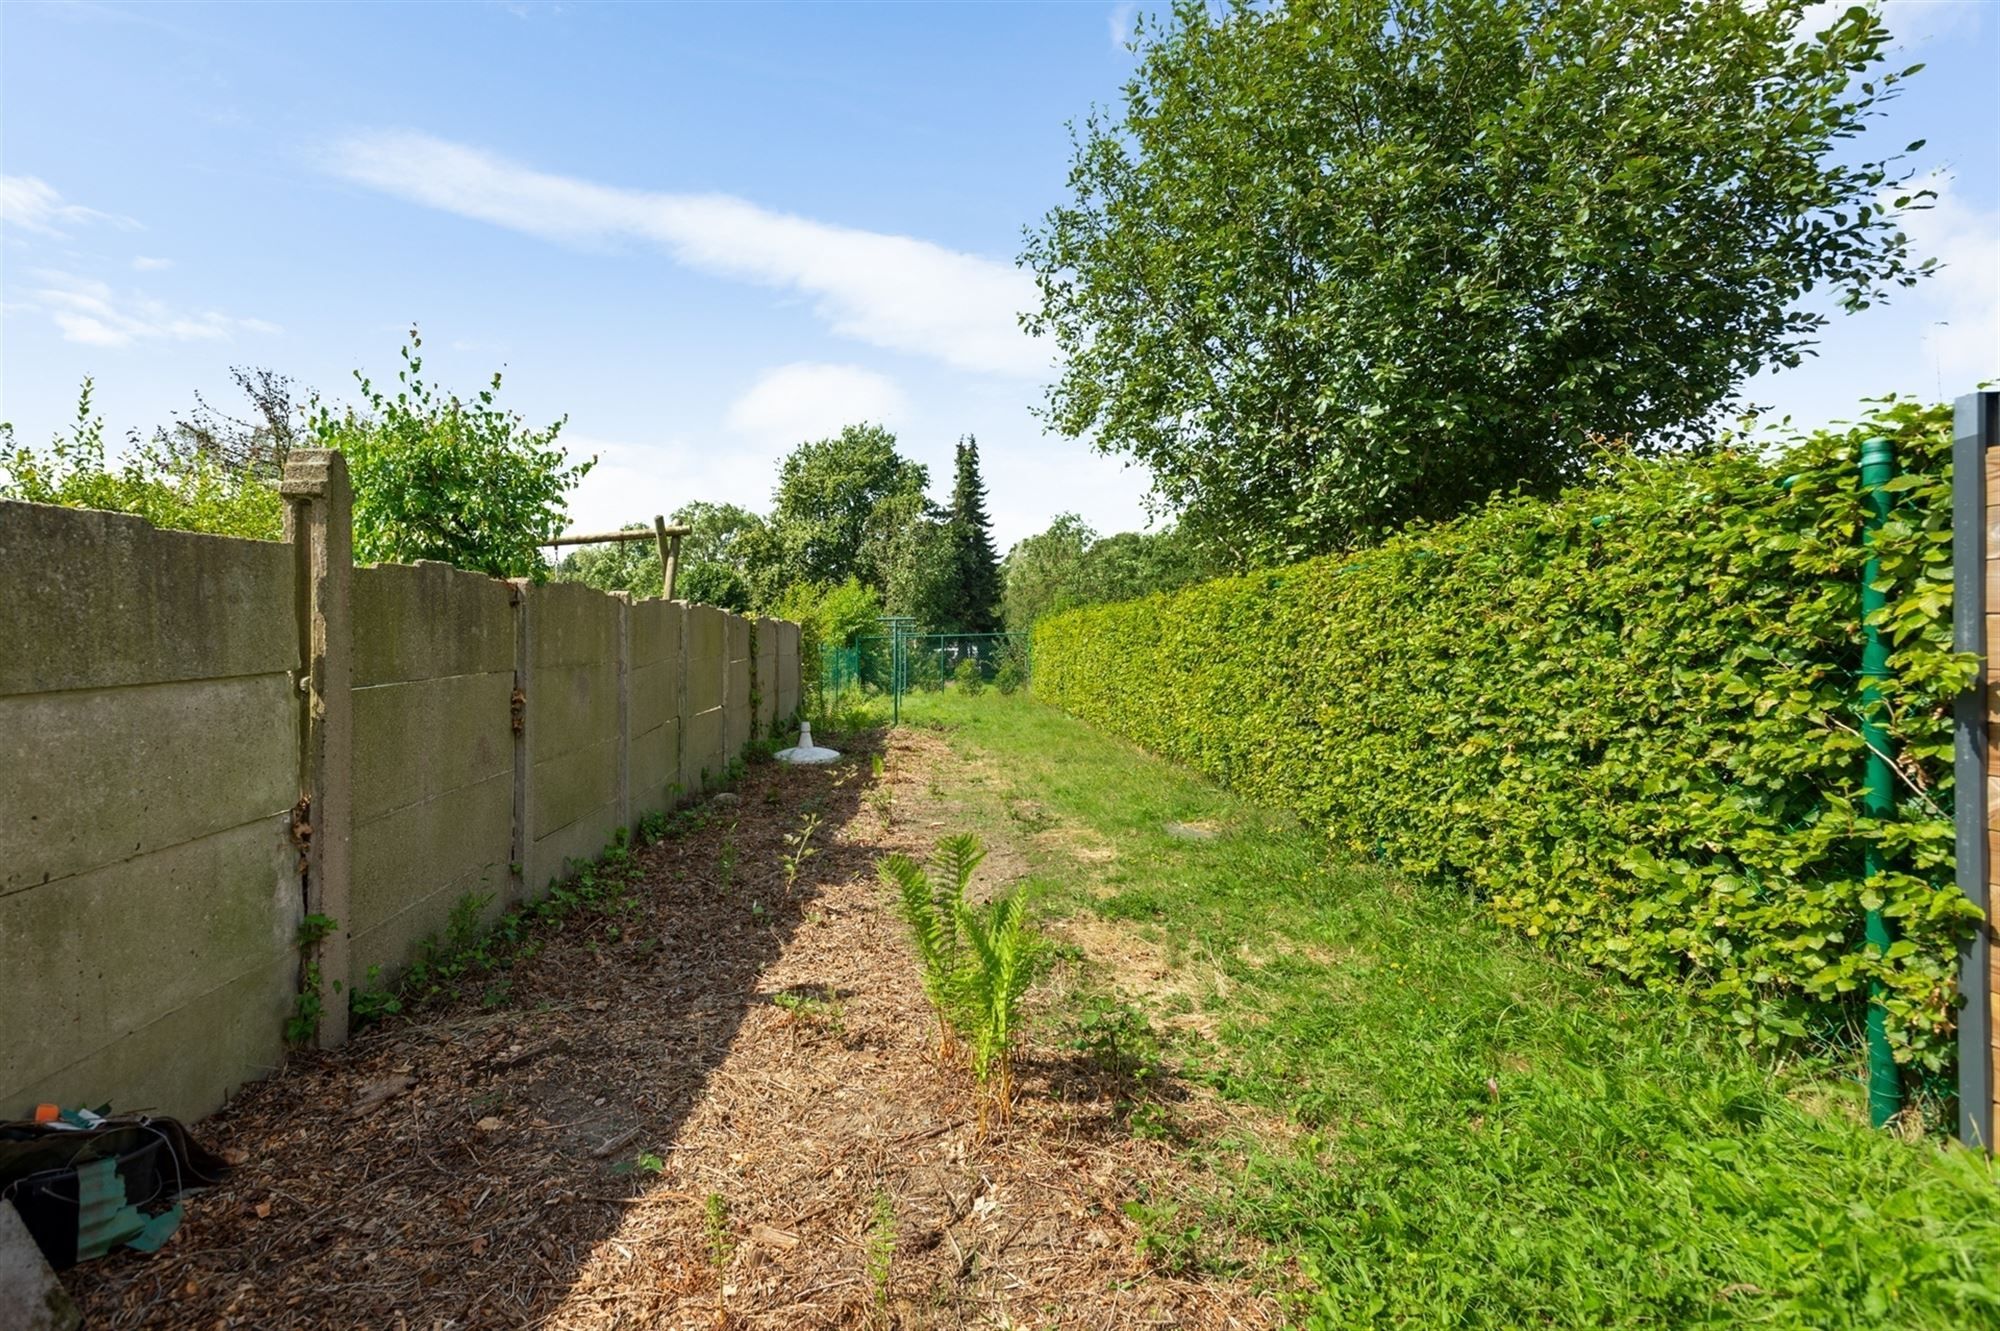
[
  {"x": 671, "y": 566},
  {"x": 319, "y": 525}
]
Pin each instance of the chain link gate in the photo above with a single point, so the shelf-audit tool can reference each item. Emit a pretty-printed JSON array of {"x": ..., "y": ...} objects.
[{"x": 901, "y": 661}]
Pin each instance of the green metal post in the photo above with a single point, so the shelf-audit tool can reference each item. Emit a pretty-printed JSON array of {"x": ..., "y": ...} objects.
[{"x": 1878, "y": 465}]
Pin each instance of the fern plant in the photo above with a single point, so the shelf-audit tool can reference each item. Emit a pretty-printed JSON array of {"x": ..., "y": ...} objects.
[
  {"x": 929, "y": 912},
  {"x": 976, "y": 961},
  {"x": 1004, "y": 952}
]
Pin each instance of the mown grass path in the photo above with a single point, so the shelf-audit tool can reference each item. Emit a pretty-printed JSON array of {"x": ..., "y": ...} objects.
[{"x": 1474, "y": 1134}]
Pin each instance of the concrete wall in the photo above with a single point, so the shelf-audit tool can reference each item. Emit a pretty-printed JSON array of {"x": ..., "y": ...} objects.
[
  {"x": 767, "y": 676},
  {"x": 654, "y": 677},
  {"x": 737, "y": 716},
  {"x": 153, "y": 724},
  {"x": 789, "y": 696},
  {"x": 149, "y": 897},
  {"x": 703, "y": 755},
  {"x": 433, "y": 753},
  {"x": 576, "y": 666}
]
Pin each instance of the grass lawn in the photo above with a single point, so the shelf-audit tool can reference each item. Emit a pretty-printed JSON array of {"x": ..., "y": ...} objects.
[{"x": 1479, "y": 1135}]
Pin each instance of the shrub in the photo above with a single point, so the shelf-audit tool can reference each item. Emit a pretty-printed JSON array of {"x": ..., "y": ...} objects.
[
  {"x": 1623, "y": 719},
  {"x": 165, "y": 480},
  {"x": 966, "y": 675},
  {"x": 1007, "y": 678}
]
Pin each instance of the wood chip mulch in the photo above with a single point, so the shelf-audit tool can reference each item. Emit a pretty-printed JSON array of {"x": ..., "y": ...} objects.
[{"x": 643, "y": 1134}]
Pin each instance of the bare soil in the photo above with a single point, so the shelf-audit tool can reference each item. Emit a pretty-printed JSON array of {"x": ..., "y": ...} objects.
[{"x": 653, "y": 1131}]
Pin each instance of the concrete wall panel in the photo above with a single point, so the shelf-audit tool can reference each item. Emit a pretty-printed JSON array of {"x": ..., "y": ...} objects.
[
  {"x": 101, "y": 775},
  {"x": 427, "y": 621},
  {"x": 127, "y": 604},
  {"x": 103, "y": 957},
  {"x": 767, "y": 675},
  {"x": 736, "y": 713},
  {"x": 789, "y": 695},
  {"x": 411, "y": 867}
]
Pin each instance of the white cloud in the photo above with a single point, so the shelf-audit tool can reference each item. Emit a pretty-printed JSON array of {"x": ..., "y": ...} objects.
[
  {"x": 1911, "y": 22},
  {"x": 890, "y": 291},
  {"x": 802, "y": 401},
  {"x": 145, "y": 264},
  {"x": 88, "y": 311},
  {"x": 1120, "y": 23},
  {"x": 32, "y": 204},
  {"x": 1961, "y": 339}
]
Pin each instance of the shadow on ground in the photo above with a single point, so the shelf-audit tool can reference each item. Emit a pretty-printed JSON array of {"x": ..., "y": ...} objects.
[{"x": 534, "y": 1111}]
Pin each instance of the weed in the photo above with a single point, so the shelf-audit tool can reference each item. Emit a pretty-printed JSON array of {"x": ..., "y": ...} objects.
[
  {"x": 881, "y": 1249},
  {"x": 715, "y": 1222},
  {"x": 373, "y": 1000},
  {"x": 799, "y": 849},
  {"x": 876, "y": 766},
  {"x": 647, "y": 1162},
  {"x": 967, "y": 677},
  {"x": 309, "y": 1005},
  {"x": 811, "y": 1010},
  {"x": 1119, "y": 1041},
  {"x": 725, "y": 862}
]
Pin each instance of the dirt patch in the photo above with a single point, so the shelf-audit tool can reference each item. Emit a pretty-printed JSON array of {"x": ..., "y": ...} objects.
[{"x": 719, "y": 1108}]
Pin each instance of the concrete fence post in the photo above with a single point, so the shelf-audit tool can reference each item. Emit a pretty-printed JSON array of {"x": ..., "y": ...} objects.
[
  {"x": 319, "y": 525},
  {"x": 622, "y": 646},
  {"x": 524, "y": 757}
]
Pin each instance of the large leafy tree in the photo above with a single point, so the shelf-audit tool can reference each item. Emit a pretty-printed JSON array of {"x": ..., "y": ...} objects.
[
  {"x": 1344, "y": 263},
  {"x": 1070, "y": 565},
  {"x": 828, "y": 493},
  {"x": 439, "y": 477},
  {"x": 975, "y": 593}
]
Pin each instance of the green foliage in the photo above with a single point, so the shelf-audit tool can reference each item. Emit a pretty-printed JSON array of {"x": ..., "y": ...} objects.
[
  {"x": 1338, "y": 264},
  {"x": 881, "y": 1249},
  {"x": 966, "y": 675},
  {"x": 1448, "y": 1126},
  {"x": 974, "y": 601},
  {"x": 1070, "y": 565},
  {"x": 976, "y": 961},
  {"x": 309, "y": 1004},
  {"x": 170, "y": 481},
  {"x": 1623, "y": 719},
  {"x": 712, "y": 568},
  {"x": 1011, "y": 673},
  {"x": 829, "y": 616},
  {"x": 437, "y": 477},
  {"x": 826, "y": 501},
  {"x": 928, "y": 914}
]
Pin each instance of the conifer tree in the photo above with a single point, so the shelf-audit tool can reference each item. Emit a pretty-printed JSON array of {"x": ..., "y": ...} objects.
[{"x": 975, "y": 599}]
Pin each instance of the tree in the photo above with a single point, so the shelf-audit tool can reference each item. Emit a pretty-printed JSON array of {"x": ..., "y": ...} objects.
[
  {"x": 975, "y": 593},
  {"x": 908, "y": 553},
  {"x": 437, "y": 477},
  {"x": 1341, "y": 264},
  {"x": 1044, "y": 571},
  {"x": 1070, "y": 565},
  {"x": 712, "y": 568},
  {"x": 828, "y": 491},
  {"x": 257, "y": 445}
]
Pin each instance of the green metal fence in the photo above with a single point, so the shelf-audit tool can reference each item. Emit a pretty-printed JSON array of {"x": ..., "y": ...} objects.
[{"x": 902, "y": 661}]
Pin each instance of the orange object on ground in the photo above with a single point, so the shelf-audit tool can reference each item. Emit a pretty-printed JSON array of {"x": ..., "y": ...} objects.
[{"x": 47, "y": 1113}]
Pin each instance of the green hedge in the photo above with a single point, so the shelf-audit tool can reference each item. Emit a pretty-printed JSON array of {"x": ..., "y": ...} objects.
[{"x": 1624, "y": 719}]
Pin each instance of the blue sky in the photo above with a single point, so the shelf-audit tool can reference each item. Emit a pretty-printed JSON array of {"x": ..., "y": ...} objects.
[{"x": 704, "y": 232}]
